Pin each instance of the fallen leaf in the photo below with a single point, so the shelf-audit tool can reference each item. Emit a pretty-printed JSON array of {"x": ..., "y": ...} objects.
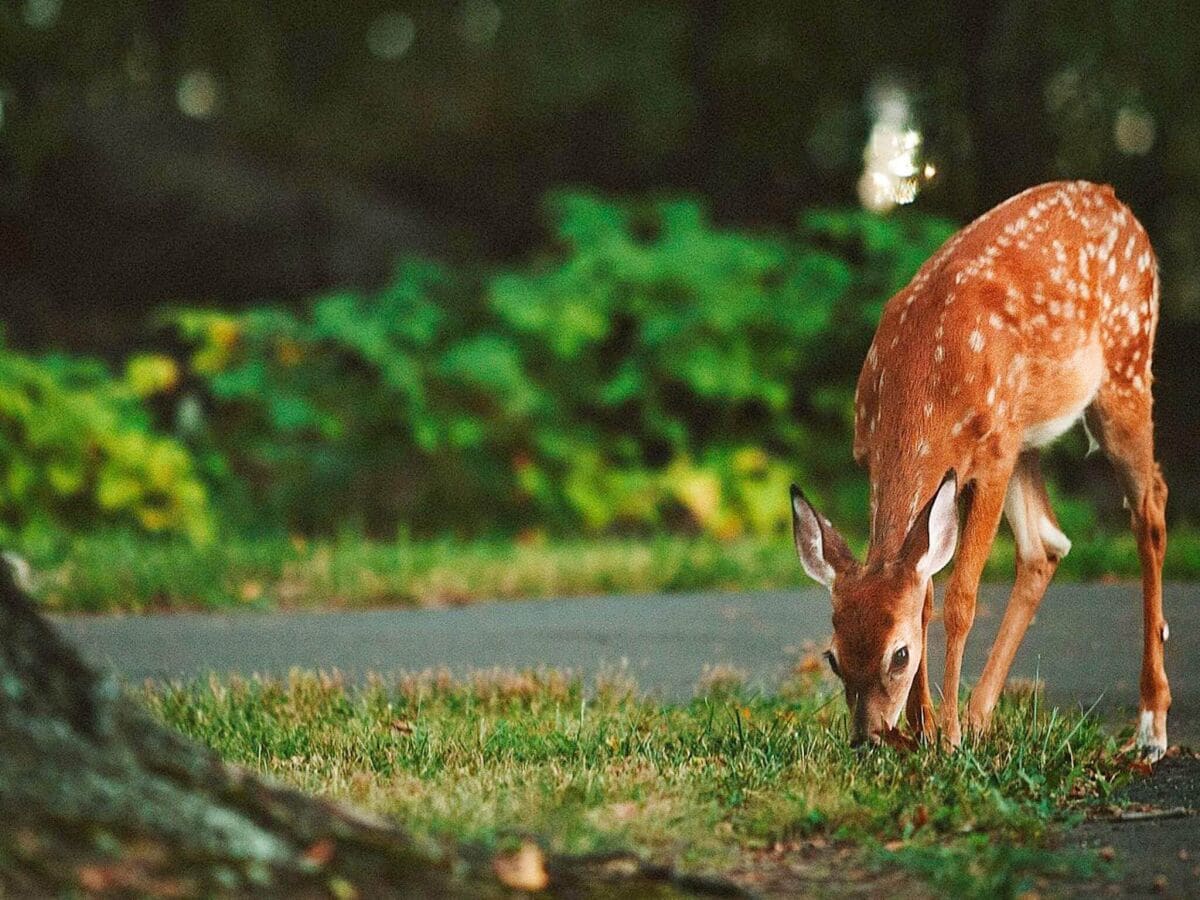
[
  {"x": 810, "y": 665},
  {"x": 320, "y": 853},
  {"x": 28, "y": 843},
  {"x": 402, "y": 726},
  {"x": 898, "y": 740},
  {"x": 96, "y": 879},
  {"x": 1160, "y": 884},
  {"x": 524, "y": 870},
  {"x": 623, "y": 812},
  {"x": 1108, "y": 854}
]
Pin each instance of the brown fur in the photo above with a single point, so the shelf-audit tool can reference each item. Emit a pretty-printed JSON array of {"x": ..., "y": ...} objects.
[{"x": 1039, "y": 310}]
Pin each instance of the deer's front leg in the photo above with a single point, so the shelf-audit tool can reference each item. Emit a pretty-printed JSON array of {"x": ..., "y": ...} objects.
[
  {"x": 986, "y": 501},
  {"x": 919, "y": 710}
]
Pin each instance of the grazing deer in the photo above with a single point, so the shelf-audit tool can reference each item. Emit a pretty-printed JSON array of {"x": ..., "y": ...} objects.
[{"x": 1038, "y": 313}]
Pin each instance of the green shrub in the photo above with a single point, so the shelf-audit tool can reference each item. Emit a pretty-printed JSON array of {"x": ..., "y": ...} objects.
[
  {"x": 358, "y": 413},
  {"x": 77, "y": 450},
  {"x": 652, "y": 370}
]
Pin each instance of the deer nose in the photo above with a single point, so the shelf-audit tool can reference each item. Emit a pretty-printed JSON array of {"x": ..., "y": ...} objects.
[{"x": 873, "y": 738}]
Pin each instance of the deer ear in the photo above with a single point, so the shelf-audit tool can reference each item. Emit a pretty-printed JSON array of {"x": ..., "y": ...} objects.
[
  {"x": 823, "y": 553},
  {"x": 933, "y": 537}
]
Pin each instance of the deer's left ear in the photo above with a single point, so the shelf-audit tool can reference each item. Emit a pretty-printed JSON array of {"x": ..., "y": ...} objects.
[
  {"x": 823, "y": 552},
  {"x": 933, "y": 537}
]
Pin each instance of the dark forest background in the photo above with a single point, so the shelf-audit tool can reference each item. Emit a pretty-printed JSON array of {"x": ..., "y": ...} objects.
[{"x": 228, "y": 156}]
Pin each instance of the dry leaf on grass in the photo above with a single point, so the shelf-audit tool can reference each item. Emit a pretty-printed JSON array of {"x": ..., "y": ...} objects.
[
  {"x": 898, "y": 740},
  {"x": 524, "y": 870},
  {"x": 320, "y": 853},
  {"x": 1141, "y": 767}
]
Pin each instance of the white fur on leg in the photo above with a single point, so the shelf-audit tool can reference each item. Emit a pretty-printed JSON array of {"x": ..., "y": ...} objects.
[
  {"x": 1053, "y": 539},
  {"x": 1150, "y": 745}
]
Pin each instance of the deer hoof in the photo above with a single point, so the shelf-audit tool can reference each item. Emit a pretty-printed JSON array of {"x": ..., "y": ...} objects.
[
  {"x": 979, "y": 720},
  {"x": 1150, "y": 741}
]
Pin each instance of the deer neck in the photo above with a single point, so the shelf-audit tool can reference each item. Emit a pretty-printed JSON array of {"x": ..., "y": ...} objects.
[{"x": 900, "y": 488}]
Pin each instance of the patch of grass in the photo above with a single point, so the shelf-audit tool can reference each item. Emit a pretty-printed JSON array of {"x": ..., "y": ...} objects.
[
  {"x": 122, "y": 572},
  {"x": 976, "y": 866},
  {"x": 504, "y": 755},
  {"x": 116, "y": 571}
]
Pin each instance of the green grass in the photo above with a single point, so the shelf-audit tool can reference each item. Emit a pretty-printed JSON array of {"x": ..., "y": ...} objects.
[
  {"x": 726, "y": 783},
  {"x": 112, "y": 571}
]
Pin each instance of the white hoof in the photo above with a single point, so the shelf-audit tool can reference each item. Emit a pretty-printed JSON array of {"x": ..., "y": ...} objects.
[{"x": 1151, "y": 739}]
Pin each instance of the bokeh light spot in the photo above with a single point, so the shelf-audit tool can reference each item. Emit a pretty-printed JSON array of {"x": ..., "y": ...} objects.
[
  {"x": 479, "y": 21},
  {"x": 390, "y": 35},
  {"x": 1061, "y": 90},
  {"x": 41, "y": 14},
  {"x": 1133, "y": 131},
  {"x": 198, "y": 94},
  {"x": 892, "y": 168}
]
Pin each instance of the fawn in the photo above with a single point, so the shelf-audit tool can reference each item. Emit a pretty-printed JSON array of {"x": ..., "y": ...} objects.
[{"x": 1038, "y": 313}]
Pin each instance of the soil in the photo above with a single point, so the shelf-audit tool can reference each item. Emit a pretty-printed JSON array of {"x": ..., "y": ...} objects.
[{"x": 1154, "y": 856}]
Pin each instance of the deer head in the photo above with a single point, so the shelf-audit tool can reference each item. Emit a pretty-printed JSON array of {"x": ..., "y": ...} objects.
[{"x": 878, "y": 632}]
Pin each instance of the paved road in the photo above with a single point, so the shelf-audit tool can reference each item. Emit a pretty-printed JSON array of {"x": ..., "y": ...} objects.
[{"x": 1085, "y": 643}]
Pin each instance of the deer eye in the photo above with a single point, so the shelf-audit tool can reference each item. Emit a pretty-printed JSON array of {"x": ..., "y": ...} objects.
[
  {"x": 900, "y": 659},
  {"x": 832, "y": 660}
]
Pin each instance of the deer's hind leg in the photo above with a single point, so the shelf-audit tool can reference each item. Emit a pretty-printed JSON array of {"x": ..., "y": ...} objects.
[
  {"x": 1040, "y": 546},
  {"x": 1120, "y": 419}
]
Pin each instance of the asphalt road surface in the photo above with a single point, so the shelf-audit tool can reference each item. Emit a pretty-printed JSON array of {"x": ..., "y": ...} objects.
[{"x": 1084, "y": 645}]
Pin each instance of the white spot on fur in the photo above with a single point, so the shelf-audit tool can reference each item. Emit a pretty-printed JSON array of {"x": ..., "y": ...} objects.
[{"x": 975, "y": 340}]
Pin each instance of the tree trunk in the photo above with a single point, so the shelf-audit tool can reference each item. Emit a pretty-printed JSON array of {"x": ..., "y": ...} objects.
[{"x": 97, "y": 797}]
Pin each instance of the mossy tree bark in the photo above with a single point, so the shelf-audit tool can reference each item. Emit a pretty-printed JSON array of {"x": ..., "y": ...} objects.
[{"x": 97, "y": 797}]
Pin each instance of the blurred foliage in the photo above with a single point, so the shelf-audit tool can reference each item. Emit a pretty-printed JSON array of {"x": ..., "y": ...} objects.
[
  {"x": 652, "y": 371},
  {"x": 77, "y": 449},
  {"x": 117, "y": 570},
  {"x": 473, "y": 110},
  {"x": 330, "y": 137}
]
